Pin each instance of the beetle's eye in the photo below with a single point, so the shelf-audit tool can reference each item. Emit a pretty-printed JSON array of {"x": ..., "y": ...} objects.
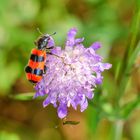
[
  {"x": 44, "y": 42},
  {"x": 47, "y": 39}
]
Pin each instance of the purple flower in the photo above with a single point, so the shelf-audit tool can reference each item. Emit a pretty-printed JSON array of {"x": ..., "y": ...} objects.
[{"x": 72, "y": 75}]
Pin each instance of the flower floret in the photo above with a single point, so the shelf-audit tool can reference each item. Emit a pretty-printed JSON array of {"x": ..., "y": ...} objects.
[{"x": 72, "y": 75}]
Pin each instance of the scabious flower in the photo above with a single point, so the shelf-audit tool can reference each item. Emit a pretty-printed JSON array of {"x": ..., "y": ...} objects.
[{"x": 72, "y": 75}]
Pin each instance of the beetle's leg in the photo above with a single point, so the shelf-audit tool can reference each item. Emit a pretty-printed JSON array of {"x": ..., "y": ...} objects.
[
  {"x": 48, "y": 50},
  {"x": 34, "y": 84},
  {"x": 50, "y": 53},
  {"x": 50, "y": 47},
  {"x": 45, "y": 69}
]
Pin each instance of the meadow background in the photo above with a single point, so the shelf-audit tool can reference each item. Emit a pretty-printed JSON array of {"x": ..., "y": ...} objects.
[{"x": 114, "y": 113}]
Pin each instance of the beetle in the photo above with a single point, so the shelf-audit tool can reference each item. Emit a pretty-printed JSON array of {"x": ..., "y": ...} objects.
[{"x": 36, "y": 64}]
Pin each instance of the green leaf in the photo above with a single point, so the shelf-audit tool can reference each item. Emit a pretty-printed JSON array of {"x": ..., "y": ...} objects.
[
  {"x": 128, "y": 70},
  {"x": 23, "y": 96},
  {"x": 8, "y": 136},
  {"x": 71, "y": 122},
  {"x": 127, "y": 109},
  {"x": 93, "y": 118},
  {"x": 135, "y": 129}
]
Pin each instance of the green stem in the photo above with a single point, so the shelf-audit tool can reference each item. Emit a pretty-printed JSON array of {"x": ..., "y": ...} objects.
[
  {"x": 118, "y": 130},
  {"x": 127, "y": 72},
  {"x": 135, "y": 34},
  {"x": 129, "y": 59}
]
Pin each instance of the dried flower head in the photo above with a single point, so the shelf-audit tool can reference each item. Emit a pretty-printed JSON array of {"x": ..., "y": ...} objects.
[{"x": 72, "y": 75}]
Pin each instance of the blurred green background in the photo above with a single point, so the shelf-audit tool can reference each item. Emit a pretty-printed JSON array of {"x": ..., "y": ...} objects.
[{"x": 114, "y": 113}]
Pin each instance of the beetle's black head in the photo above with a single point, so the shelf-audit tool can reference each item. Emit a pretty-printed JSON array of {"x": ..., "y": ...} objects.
[{"x": 42, "y": 42}]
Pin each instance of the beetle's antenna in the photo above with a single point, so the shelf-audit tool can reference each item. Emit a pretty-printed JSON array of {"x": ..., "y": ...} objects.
[
  {"x": 39, "y": 31},
  {"x": 52, "y": 34}
]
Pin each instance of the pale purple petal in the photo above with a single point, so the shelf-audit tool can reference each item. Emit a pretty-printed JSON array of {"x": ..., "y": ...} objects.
[
  {"x": 62, "y": 111},
  {"x": 84, "y": 105},
  {"x": 104, "y": 66},
  {"x": 57, "y": 51},
  {"x": 46, "y": 102},
  {"x": 71, "y": 37},
  {"x": 78, "y": 41},
  {"x": 99, "y": 78},
  {"x": 51, "y": 42},
  {"x": 89, "y": 95},
  {"x": 96, "y": 45}
]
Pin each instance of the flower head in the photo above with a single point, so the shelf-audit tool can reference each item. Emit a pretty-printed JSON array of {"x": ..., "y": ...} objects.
[{"x": 72, "y": 74}]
